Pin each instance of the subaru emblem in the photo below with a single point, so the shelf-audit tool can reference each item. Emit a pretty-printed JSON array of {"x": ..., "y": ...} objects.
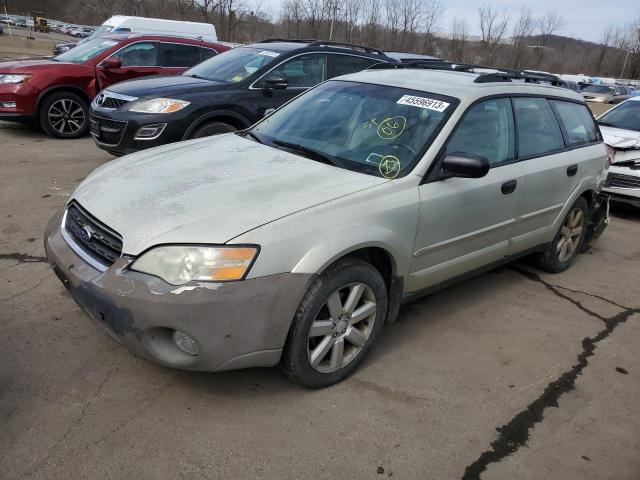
[{"x": 85, "y": 233}]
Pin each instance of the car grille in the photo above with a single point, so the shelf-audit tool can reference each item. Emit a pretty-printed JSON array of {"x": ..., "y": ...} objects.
[
  {"x": 96, "y": 240},
  {"x": 113, "y": 103},
  {"x": 618, "y": 180},
  {"x": 106, "y": 131}
]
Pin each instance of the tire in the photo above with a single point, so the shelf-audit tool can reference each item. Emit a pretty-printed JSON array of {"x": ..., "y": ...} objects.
[
  {"x": 212, "y": 128},
  {"x": 339, "y": 343},
  {"x": 64, "y": 115},
  {"x": 561, "y": 253}
]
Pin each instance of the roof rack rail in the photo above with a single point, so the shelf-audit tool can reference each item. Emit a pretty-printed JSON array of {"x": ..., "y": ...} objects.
[
  {"x": 494, "y": 74},
  {"x": 293, "y": 40},
  {"x": 327, "y": 43}
]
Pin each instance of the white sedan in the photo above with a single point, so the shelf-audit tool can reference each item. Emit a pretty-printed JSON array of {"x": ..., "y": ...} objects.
[{"x": 620, "y": 129}]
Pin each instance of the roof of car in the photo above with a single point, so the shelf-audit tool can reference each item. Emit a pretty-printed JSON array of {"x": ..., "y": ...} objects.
[
  {"x": 286, "y": 45},
  {"x": 456, "y": 84},
  {"x": 151, "y": 36}
]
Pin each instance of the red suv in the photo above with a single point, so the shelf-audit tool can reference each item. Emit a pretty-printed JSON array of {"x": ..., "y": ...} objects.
[{"x": 56, "y": 92}]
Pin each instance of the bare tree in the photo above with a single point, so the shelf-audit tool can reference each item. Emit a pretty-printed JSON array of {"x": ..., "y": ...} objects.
[
  {"x": 315, "y": 12},
  {"x": 292, "y": 14},
  {"x": 548, "y": 26},
  {"x": 431, "y": 18},
  {"x": 493, "y": 26},
  {"x": 458, "y": 41},
  {"x": 352, "y": 10},
  {"x": 521, "y": 36},
  {"x": 392, "y": 13}
]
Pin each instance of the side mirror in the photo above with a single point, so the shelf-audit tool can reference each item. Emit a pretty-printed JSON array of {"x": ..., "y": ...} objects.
[
  {"x": 465, "y": 165},
  {"x": 273, "y": 81},
  {"x": 112, "y": 63}
]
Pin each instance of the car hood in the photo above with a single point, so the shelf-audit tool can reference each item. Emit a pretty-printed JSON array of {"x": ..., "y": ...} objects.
[
  {"x": 208, "y": 190},
  {"x": 34, "y": 65},
  {"x": 620, "y": 138},
  {"x": 167, "y": 85}
]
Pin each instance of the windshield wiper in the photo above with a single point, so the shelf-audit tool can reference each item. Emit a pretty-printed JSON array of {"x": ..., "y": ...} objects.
[
  {"x": 606, "y": 124},
  {"x": 199, "y": 77},
  {"x": 245, "y": 133},
  {"x": 308, "y": 152}
]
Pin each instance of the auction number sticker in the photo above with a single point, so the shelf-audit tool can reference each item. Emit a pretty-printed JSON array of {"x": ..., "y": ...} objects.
[
  {"x": 267, "y": 53},
  {"x": 422, "y": 102}
]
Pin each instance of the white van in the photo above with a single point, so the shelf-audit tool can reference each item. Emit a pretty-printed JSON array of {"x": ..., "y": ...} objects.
[
  {"x": 148, "y": 26},
  {"x": 125, "y": 24}
]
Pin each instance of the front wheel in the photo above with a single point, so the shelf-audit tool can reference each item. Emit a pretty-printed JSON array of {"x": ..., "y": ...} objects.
[
  {"x": 336, "y": 324},
  {"x": 64, "y": 115},
  {"x": 562, "y": 251},
  {"x": 212, "y": 128}
]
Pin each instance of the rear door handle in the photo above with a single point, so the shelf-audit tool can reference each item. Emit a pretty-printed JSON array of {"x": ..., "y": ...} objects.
[
  {"x": 509, "y": 187},
  {"x": 572, "y": 170}
]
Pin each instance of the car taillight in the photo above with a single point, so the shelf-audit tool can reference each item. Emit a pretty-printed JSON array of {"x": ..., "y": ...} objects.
[{"x": 611, "y": 154}]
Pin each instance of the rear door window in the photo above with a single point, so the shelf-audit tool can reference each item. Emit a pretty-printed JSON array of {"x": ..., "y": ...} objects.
[
  {"x": 487, "y": 129},
  {"x": 580, "y": 129},
  {"x": 345, "y": 64},
  {"x": 179, "y": 55},
  {"x": 206, "y": 53},
  {"x": 538, "y": 129}
]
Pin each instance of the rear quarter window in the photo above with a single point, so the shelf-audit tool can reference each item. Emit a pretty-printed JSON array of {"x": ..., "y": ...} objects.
[{"x": 579, "y": 126}]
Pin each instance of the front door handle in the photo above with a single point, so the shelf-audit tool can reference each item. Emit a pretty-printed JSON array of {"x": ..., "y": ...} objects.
[
  {"x": 509, "y": 187},
  {"x": 572, "y": 170}
]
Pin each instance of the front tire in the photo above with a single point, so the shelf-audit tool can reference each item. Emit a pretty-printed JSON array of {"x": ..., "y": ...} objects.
[
  {"x": 336, "y": 324},
  {"x": 64, "y": 115},
  {"x": 212, "y": 128},
  {"x": 562, "y": 251}
]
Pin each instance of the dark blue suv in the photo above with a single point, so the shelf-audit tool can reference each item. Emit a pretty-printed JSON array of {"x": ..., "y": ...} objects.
[{"x": 228, "y": 92}]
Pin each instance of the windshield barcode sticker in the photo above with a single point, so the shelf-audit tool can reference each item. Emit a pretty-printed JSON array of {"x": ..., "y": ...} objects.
[
  {"x": 267, "y": 53},
  {"x": 428, "y": 103}
]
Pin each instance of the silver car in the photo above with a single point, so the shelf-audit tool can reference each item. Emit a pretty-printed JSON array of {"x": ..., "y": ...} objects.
[
  {"x": 294, "y": 242},
  {"x": 606, "y": 93}
]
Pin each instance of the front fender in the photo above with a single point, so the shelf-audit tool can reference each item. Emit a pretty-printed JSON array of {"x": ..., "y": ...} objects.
[{"x": 348, "y": 240}]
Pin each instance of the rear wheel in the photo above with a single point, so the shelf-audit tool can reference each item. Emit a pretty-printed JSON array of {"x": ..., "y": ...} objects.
[
  {"x": 64, "y": 115},
  {"x": 212, "y": 128},
  {"x": 336, "y": 324},
  {"x": 561, "y": 253}
]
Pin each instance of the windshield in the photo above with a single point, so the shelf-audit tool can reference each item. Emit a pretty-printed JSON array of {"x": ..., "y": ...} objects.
[
  {"x": 626, "y": 115},
  {"x": 86, "y": 51},
  {"x": 598, "y": 89},
  {"x": 233, "y": 65},
  {"x": 374, "y": 129}
]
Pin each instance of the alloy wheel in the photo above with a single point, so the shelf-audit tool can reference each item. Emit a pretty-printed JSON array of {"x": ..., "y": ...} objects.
[
  {"x": 341, "y": 328},
  {"x": 570, "y": 234},
  {"x": 66, "y": 116}
]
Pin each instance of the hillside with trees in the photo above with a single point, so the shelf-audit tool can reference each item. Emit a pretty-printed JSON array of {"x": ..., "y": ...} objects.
[{"x": 520, "y": 40}]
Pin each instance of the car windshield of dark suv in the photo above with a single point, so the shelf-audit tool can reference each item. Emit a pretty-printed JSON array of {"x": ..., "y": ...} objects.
[
  {"x": 598, "y": 89},
  {"x": 233, "y": 65},
  {"x": 626, "y": 116},
  {"x": 86, "y": 51},
  {"x": 374, "y": 129}
]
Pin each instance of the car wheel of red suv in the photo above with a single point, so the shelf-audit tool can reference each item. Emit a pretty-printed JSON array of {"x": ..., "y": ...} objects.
[{"x": 64, "y": 115}]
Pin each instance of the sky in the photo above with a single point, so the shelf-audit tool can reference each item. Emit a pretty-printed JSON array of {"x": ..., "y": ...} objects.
[{"x": 583, "y": 19}]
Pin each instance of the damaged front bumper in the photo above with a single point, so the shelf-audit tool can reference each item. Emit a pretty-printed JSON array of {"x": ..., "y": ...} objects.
[{"x": 235, "y": 325}]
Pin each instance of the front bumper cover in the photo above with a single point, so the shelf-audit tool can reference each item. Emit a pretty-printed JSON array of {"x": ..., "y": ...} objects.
[{"x": 236, "y": 325}]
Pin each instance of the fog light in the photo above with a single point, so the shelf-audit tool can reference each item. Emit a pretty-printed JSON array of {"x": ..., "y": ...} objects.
[
  {"x": 150, "y": 132},
  {"x": 185, "y": 343},
  {"x": 8, "y": 104}
]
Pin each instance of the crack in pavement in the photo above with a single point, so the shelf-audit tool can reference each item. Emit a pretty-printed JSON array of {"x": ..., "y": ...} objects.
[
  {"x": 35, "y": 468},
  {"x": 23, "y": 258},
  {"x": 515, "y": 434}
]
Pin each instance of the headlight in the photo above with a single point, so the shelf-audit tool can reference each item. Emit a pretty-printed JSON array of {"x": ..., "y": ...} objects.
[
  {"x": 13, "y": 78},
  {"x": 159, "y": 105},
  {"x": 179, "y": 264}
]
